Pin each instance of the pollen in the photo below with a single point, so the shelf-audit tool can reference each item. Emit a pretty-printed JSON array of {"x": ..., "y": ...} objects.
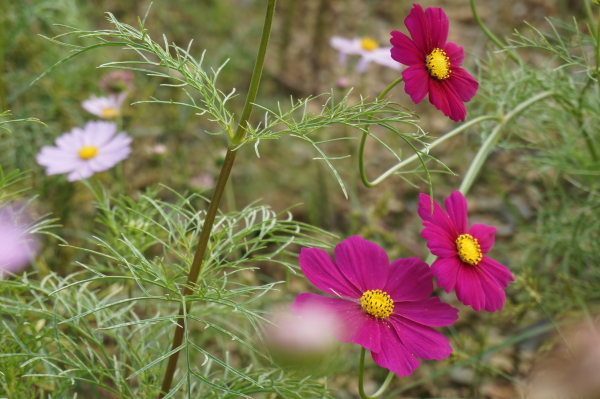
[
  {"x": 88, "y": 152},
  {"x": 377, "y": 303},
  {"x": 438, "y": 64},
  {"x": 110, "y": 113},
  {"x": 368, "y": 44},
  {"x": 468, "y": 249}
]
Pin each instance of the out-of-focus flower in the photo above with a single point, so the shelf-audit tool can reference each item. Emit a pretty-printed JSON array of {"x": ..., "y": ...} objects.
[
  {"x": 302, "y": 339},
  {"x": 83, "y": 152},
  {"x": 159, "y": 149},
  {"x": 383, "y": 307},
  {"x": 367, "y": 48},
  {"x": 433, "y": 65},
  {"x": 117, "y": 82},
  {"x": 572, "y": 368},
  {"x": 105, "y": 107},
  {"x": 342, "y": 82},
  {"x": 16, "y": 246},
  {"x": 462, "y": 265},
  {"x": 203, "y": 181}
]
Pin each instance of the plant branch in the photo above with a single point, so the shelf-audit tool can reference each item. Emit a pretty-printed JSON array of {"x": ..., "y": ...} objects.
[{"x": 361, "y": 389}]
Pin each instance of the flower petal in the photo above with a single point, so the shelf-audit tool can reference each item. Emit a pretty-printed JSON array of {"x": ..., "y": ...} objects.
[
  {"x": 438, "y": 217},
  {"x": 446, "y": 271},
  {"x": 382, "y": 56},
  {"x": 455, "y": 53},
  {"x": 484, "y": 235},
  {"x": 422, "y": 341},
  {"x": 462, "y": 84},
  {"x": 494, "y": 293},
  {"x": 444, "y": 98},
  {"x": 418, "y": 27},
  {"x": 416, "y": 82},
  {"x": 405, "y": 51},
  {"x": 346, "y": 46},
  {"x": 468, "y": 287},
  {"x": 354, "y": 324},
  {"x": 409, "y": 280},
  {"x": 439, "y": 242},
  {"x": 394, "y": 355},
  {"x": 496, "y": 269},
  {"x": 456, "y": 206},
  {"x": 429, "y": 312},
  {"x": 320, "y": 270},
  {"x": 364, "y": 263},
  {"x": 438, "y": 24}
]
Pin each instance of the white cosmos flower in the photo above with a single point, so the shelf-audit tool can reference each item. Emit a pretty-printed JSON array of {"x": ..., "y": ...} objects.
[
  {"x": 367, "y": 48},
  {"x": 105, "y": 107}
]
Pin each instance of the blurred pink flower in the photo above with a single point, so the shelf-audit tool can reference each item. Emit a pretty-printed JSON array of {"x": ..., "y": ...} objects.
[
  {"x": 367, "y": 48},
  {"x": 203, "y": 181},
  {"x": 83, "y": 152},
  {"x": 105, "y": 107},
  {"x": 117, "y": 81},
  {"x": 159, "y": 149},
  {"x": 16, "y": 249}
]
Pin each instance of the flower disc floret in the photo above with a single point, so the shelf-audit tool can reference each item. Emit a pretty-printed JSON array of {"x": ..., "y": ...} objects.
[
  {"x": 469, "y": 250},
  {"x": 438, "y": 64},
  {"x": 377, "y": 303},
  {"x": 88, "y": 152},
  {"x": 368, "y": 44}
]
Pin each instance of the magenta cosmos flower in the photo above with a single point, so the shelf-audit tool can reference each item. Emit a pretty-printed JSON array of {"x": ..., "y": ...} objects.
[
  {"x": 16, "y": 245},
  {"x": 381, "y": 306},
  {"x": 462, "y": 265},
  {"x": 86, "y": 151},
  {"x": 433, "y": 65}
]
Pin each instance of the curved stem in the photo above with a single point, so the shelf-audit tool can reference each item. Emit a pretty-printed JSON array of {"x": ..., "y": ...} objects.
[
  {"x": 361, "y": 369},
  {"x": 489, "y": 33},
  {"x": 198, "y": 260},
  {"x": 489, "y": 143},
  {"x": 390, "y": 87}
]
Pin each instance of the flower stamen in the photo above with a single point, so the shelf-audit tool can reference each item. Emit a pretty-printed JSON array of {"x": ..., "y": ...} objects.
[
  {"x": 468, "y": 249},
  {"x": 88, "y": 152},
  {"x": 438, "y": 64},
  {"x": 368, "y": 44},
  {"x": 377, "y": 303}
]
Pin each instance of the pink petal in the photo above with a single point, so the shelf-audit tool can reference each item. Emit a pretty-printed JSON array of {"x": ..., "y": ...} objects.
[
  {"x": 456, "y": 206},
  {"x": 81, "y": 173},
  {"x": 494, "y": 293},
  {"x": 409, "y": 280},
  {"x": 382, "y": 56},
  {"x": 422, "y": 341},
  {"x": 356, "y": 326},
  {"x": 443, "y": 96},
  {"x": 394, "y": 355},
  {"x": 484, "y": 235},
  {"x": 462, "y": 84},
  {"x": 446, "y": 272},
  {"x": 438, "y": 24},
  {"x": 468, "y": 287},
  {"x": 429, "y": 312},
  {"x": 497, "y": 270},
  {"x": 418, "y": 27},
  {"x": 320, "y": 270},
  {"x": 364, "y": 263},
  {"x": 455, "y": 53},
  {"x": 416, "y": 81},
  {"x": 439, "y": 242},
  {"x": 363, "y": 63},
  {"x": 438, "y": 217},
  {"x": 405, "y": 51}
]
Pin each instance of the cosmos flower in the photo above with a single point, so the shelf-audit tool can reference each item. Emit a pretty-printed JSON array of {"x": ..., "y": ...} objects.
[
  {"x": 433, "y": 64},
  {"x": 16, "y": 249},
  {"x": 105, "y": 107},
  {"x": 117, "y": 82},
  {"x": 367, "y": 48},
  {"x": 83, "y": 152},
  {"x": 381, "y": 306},
  {"x": 462, "y": 265}
]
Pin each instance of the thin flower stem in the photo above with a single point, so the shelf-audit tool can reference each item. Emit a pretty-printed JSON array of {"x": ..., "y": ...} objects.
[
  {"x": 390, "y": 87},
  {"x": 489, "y": 33},
  {"x": 198, "y": 260},
  {"x": 361, "y": 389},
  {"x": 489, "y": 143},
  {"x": 588, "y": 11}
]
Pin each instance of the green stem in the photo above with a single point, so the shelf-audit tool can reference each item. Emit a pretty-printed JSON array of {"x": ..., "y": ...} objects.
[
  {"x": 590, "y": 14},
  {"x": 489, "y": 143},
  {"x": 198, "y": 260},
  {"x": 489, "y": 33},
  {"x": 361, "y": 389},
  {"x": 240, "y": 133}
]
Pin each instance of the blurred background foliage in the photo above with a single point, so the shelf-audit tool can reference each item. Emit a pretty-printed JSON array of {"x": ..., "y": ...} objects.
[{"x": 539, "y": 186}]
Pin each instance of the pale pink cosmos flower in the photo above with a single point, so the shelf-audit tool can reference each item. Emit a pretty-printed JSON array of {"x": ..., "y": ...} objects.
[
  {"x": 367, "y": 48},
  {"x": 83, "y": 152},
  {"x": 105, "y": 107},
  {"x": 16, "y": 246},
  {"x": 204, "y": 181}
]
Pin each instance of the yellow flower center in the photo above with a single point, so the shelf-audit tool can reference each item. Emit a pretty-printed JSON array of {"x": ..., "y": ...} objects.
[
  {"x": 377, "y": 303},
  {"x": 438, "y": 64},
  {"x": 88, "y": 152},
  {"x": 368, "y": 44},
  {"x": 468, "y": 248},
  {"x": 110, "y": 113}
]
